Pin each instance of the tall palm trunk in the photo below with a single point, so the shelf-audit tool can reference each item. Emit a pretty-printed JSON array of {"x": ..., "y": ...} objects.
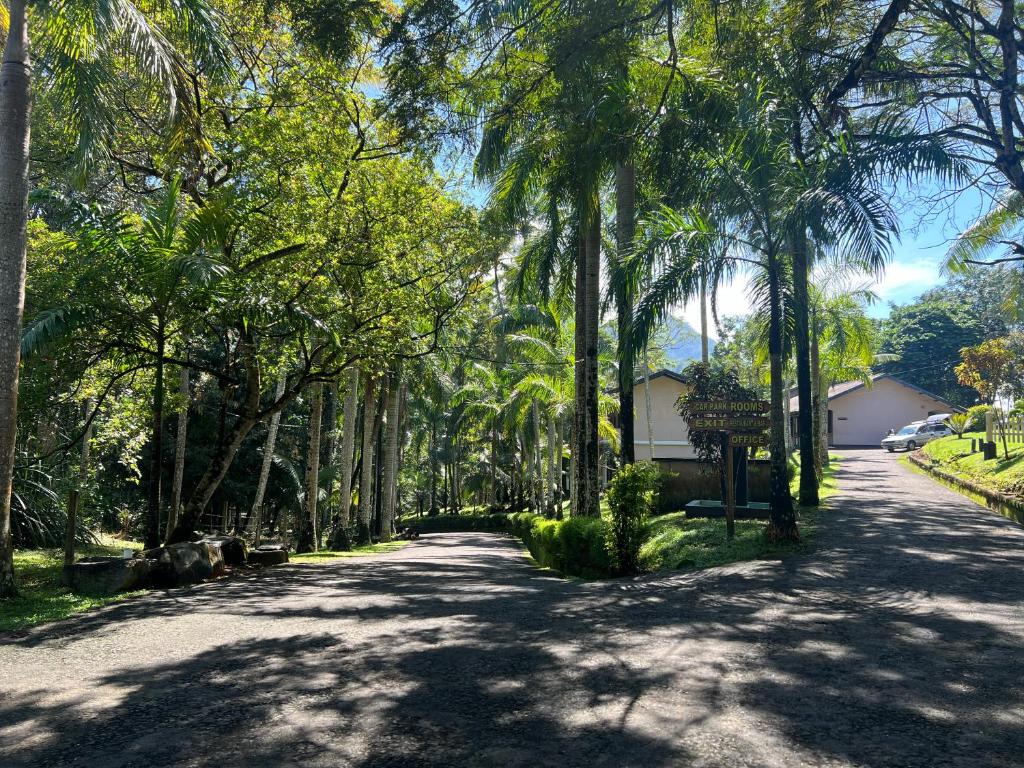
[
  {"x": 782, "y": 519},
  {"x": 704, "y": 345},
  {"x": 493, "y": 469},
  {"x": 823, "y": 421},
  {"x": 538, "y": 456},
  {"x": 157, "y": 445},
  {"x": 585, "y": 448},
  {"x": 179, "y": 449},
  {"x": 366, "y": 476},
  {"x": 268, "y": 459},
  {"x": 348, "y": 442},
  {"x": 820, "y": 445},
  {"x": 15, "y": 108},
  {"x": 552, "y": 498},
  {"x": 801, "y": 323},
  {"x": 308, "y": 535},
  {"x": 391, "y": 455},
  {"x": 625, "y": 228},
  {"x": 75, "y": 497},
  {"x": 432, "y": 460}
]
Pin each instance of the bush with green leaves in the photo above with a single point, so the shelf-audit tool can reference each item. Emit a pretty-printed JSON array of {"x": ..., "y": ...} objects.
[
  {"x": 977, "y": 420},
  {"x": 631, "y": 497},
  {"x": 574, "y": 547},
  {"x": 959, "y": 422}
]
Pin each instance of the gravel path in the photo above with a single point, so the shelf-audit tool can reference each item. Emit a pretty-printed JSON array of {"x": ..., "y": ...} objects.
[{"x": 898, "y": 642}]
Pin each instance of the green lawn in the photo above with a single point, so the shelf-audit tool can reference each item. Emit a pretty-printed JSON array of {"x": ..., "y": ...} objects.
[
  {"x": 677, "y": 542},
  {"x": 1000, "y": 474},
  {"x": 42, "y": 598},
  {"x": 326, "y": 554}
]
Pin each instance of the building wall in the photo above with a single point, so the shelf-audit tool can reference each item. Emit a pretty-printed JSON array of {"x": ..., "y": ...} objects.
[
  {"x": 864, "y": 416},
  {"x": 671, "y": 439}
]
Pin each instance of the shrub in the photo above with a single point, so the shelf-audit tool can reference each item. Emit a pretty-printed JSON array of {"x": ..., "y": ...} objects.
[
  {"x": 977, "y": 414},
  {"x": 575, "y": 547},
  {"x": 959, "y": 422},
  {"x": 631, "y": 497}
]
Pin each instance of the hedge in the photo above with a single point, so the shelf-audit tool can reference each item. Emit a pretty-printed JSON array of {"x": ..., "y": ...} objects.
[{"x": 574, "y": 547}]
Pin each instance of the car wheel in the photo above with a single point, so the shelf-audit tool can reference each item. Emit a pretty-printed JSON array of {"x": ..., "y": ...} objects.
[
  {"x": 911, "y": 446},
  {"x": 891, "y": 450}
]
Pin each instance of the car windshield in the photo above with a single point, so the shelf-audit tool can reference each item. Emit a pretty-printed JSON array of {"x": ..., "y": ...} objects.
[{"x": 907, "y": 431}]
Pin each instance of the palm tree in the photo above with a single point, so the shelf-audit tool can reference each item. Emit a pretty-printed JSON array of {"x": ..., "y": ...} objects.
[
  {"x": 764, "y": 201},
  {"x": 77, "y": 42}
]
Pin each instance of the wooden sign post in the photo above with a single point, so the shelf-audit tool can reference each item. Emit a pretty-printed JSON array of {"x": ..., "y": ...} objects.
[{"x": 743, "y": 423}]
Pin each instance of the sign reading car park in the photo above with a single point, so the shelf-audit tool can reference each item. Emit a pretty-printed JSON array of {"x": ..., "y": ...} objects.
[
  {"x": 742, "y": 423},
  {"x": 729, "y": 407}
]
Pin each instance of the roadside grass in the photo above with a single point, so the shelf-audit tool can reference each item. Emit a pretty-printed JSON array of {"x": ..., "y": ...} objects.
[
  {"x": 328, "y": 554},
  {"x": 1001, "y": 474},
  {"x": 676, "y": 542},
  {"x": 41, "y": 596}
]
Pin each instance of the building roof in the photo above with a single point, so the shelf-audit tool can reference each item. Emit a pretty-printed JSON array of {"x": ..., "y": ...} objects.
[
  {"x": 658, "y": 374},
  {"x": 846, "y": 387}
]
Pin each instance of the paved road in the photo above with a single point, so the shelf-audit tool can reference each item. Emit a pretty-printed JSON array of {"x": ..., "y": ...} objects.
[{"x": 898, "y": 642}]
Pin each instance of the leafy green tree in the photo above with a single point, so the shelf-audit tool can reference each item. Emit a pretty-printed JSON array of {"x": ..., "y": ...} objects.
[
  {"x": 76, "y": 44},
  {"x": 927, "y": 336}
]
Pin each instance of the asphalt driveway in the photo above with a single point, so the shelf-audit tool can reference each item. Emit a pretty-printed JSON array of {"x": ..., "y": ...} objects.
[{"x": 899, "y": 641}]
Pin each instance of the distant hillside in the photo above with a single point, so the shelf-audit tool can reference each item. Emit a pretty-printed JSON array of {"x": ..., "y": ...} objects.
[
  {"x": 676, "y": 345},
  {"x": 681, "y": 343}
]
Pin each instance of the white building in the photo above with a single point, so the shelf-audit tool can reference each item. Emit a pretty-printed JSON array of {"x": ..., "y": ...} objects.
[{"x": 862, "y": 414}]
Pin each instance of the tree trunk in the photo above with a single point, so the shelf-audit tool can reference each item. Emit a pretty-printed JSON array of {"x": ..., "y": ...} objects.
[
  {"x": 432, "y": 460},
  {"x": 782, "y": 520},
  {"x": 179, "y": 450},
  {"x": 552, "y": 479},
  {"x": 75, "y": 498},
  {"x": 391, "y": 455},
  {"x": 586, "y": 449},
  {"x": 348, "y": 442},
  {"x": 308, "y": 535},
  {"x": 268, "y": 460},
  {"x": 820, "y": 438},
  {"x": 647, "y": 406},
  {"x": 157, "y": 445},
  {"x": 15, "y": 108},
  {"x": 801, "y": 323},
  {"x": 704, "y": 345},
  {"x": 330, "y": 457},
  {"x": 493, "y": 469},
  {"x": 224, "y": 455},
  {"x": 366, "y": 476},
  {"x": 625, "y": 228}
]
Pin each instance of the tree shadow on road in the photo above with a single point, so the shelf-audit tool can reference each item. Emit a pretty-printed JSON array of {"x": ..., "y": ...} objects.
[{"x": 897, "y": 643}]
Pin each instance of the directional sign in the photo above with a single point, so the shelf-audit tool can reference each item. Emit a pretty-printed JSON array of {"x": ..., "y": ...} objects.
[
  {"x": 753, "y": 440},
  {"x": 730, "y": 407},
  {"x": 728, "y": 423}
]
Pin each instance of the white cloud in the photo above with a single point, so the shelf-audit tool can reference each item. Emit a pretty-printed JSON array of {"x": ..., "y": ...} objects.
[{"x": 733, "y": 299}]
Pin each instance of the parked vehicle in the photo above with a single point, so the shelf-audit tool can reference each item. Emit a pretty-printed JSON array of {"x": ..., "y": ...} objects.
[{"x": 915, "y": 435}]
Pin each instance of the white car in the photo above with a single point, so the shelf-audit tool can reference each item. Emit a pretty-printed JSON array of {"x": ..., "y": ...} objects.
[{"x": 915, "y": 435}]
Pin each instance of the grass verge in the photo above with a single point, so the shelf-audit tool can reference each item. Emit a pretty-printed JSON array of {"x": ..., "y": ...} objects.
[
  {"x": 1002, "y": 475},
  {"x": 328, "y": 554},
  {"x": 678, "y": 542},
  {"x": 41, "y": 597}
]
